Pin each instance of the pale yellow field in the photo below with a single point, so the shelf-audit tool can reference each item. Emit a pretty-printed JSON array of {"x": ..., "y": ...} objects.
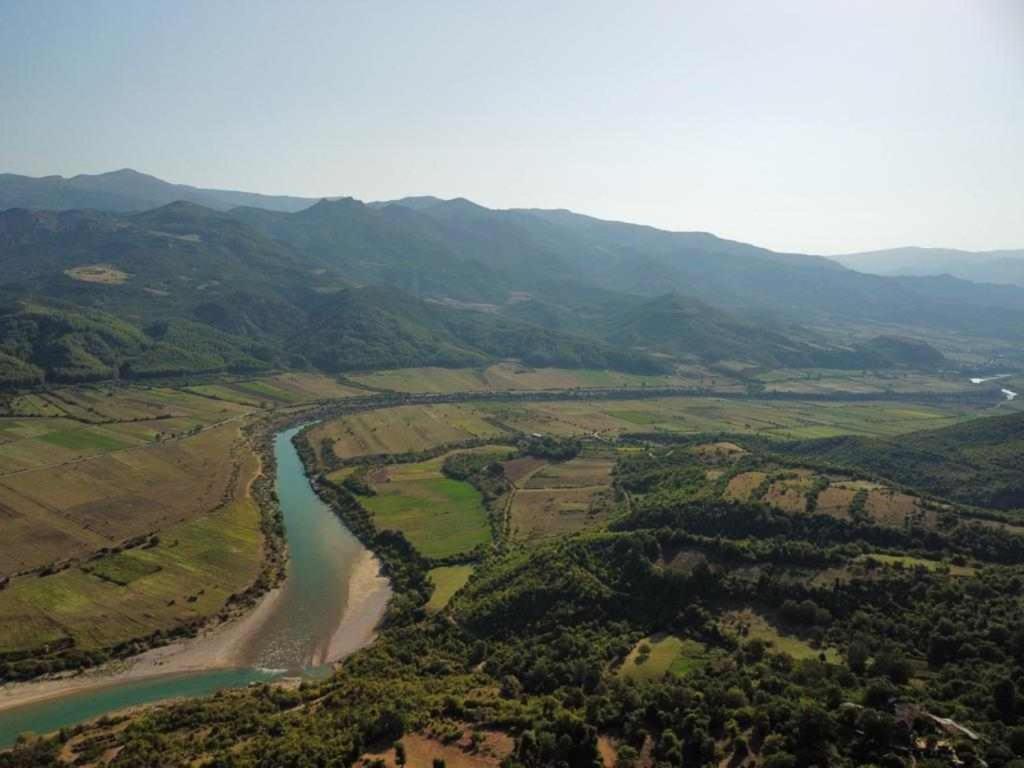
[
  {"x": 509, "y": 376},
  {"x": 280, "y": 389},
  {"x": 401, "y": 429},
  {"x": 70, "y": 509}
]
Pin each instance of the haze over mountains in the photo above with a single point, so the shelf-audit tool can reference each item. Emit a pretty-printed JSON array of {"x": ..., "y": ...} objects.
[
  {"x": 1004, "y": 267},
  {"x": 124, "y": 274}
]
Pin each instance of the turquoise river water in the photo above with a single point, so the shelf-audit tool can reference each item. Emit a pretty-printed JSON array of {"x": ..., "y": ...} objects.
[{"x": 294, "y": 638}]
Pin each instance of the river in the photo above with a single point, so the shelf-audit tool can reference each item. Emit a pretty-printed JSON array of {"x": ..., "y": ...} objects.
[{"x": 329, "y": 606}]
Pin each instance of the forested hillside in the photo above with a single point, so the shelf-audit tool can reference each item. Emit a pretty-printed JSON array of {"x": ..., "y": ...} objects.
[{"x": 345, "y": 286}]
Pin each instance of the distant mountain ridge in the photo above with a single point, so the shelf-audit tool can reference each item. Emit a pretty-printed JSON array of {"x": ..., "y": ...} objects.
[
  {"x": 1004, "y": 267},
  {"x": 127, "y": 190}
]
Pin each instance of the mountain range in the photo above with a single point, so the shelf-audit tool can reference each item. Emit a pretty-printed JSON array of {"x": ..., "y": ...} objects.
[
  {"x": 126, "y": 190},
  {"x": 1004, "y": 267},
  {"x": 104, "y": 276}
]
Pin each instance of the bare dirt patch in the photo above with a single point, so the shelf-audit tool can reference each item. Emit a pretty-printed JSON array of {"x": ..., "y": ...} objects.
[
  {"x": 420, "y": 750},
  {"x": 577, "y": 473},
  {"x": 103, "y": 274},
  {"x": 516, "y": 470},
  {"x": 892, "y": 508},
  {"x": 743, "y": 485},
  {"x": 835, "y": 501}
]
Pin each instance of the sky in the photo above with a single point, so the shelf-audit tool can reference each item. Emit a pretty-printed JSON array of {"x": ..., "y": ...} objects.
[{"x": 817, "y": 126}]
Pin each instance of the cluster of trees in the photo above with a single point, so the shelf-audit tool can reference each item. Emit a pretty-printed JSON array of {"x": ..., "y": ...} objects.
[{"x": 550, "y": 447}]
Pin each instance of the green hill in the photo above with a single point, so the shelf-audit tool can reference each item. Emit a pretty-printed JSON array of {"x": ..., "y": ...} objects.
[{"x": 185, "y": 289}]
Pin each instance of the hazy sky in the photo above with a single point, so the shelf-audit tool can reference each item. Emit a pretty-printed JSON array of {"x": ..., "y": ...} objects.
[{"x": 819, "y": 126}]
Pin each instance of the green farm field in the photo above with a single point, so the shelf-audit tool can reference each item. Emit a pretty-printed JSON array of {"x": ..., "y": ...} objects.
[
  {"x": 826, "y": 381},
  {"x": 909, "y": 561},
  {"x": 440, "y": 516}
]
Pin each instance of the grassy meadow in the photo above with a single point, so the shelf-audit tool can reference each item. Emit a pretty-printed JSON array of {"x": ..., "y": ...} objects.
[
  {"x": 447, "y": 580},
  {"x": 653, "y": 657},
  {"x": 747, "y": 625},
  {"x": 440, "y": 516}
]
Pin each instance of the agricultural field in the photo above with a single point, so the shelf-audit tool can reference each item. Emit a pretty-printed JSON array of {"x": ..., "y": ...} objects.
[
  {"x": 789, "y": 491},
  {"x": 279, "y": 390},
  {"x": 514, "y": 376},
  {"x": 423, "y": 380},
  {"x": 549, "y": 500},
  {"x": 92, "y": 499},
  {"x": 788, "y": 420},
  {"x": 439, "y": 516},
  {"x": 826, "y": 381},
  {"x": 408, "y": 428},
  {"x": 654, "y": 657},
  {"x": 189, "y": 574},
  {"x": 744, "y": 486},
  {"x": 106, "y": 405},
  {"x": 447, "y": 580},
  {"x": 401, "y": 429}
]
